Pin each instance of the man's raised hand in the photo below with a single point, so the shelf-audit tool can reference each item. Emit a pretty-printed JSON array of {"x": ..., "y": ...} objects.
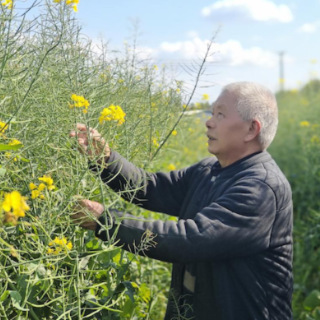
[{"x": 91, "y": 142}]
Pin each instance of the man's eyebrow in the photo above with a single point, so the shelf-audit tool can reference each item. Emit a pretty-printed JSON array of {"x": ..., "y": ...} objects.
[{"x": 219, "y": 106}]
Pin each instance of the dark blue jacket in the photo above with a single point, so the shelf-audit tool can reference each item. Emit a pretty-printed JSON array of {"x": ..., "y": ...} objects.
[{"x": 234, "y": 232}]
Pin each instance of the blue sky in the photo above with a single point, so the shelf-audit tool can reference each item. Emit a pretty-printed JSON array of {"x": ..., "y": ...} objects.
[{"x": 251, "y": 33}]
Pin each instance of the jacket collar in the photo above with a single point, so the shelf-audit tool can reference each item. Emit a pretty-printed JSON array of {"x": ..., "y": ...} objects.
[{"x": 241, "y": 164}]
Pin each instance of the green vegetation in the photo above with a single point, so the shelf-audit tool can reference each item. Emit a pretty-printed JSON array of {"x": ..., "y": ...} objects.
[
  {"x": 51, "y": 269},
  {"x": 296, "y": 150}
]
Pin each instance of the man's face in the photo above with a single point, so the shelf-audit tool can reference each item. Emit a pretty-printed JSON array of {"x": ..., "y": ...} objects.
[{"x": 225, "y": 129}]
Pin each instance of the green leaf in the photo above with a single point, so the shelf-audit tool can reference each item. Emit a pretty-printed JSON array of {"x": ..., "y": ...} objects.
[
  {"x": 128, "y": 308},
  {"x": 16, "y": 300},
  {"x": 5, "y": 147},
  {"x": 93, "y": 244},
  {"x": 312, "y": 300},
  {"x": 4, "y": 296},
  {"x": 130, "y": 290},
  {"x": 145, "y": 293}
]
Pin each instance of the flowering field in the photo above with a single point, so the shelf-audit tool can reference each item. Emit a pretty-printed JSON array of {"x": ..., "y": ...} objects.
[
  {"x": 51, "y": 78},
  {"x": 296, "y": 149}
]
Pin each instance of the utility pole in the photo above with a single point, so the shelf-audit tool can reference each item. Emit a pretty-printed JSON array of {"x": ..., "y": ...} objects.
[{"x": 281, "y": 71}]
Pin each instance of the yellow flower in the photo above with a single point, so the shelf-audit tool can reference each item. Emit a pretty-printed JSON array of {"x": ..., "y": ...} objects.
[
  {"x": 79, "y": 102},
  {"x": 36, "y": 191},
  {"x": 281, "y": 80},
  {"x": 171, "y": 167},
  {"x": 112, "y": 113},
  {"x": 7, "y": 3},
  {"x": 155, "y": 67},
  {"x": 3, "y": 127},
  {"x": 174, "y": 132},
  {"x": 35, "y": 194},
  {"x": 41, "y": 187},
  {"x": 32, "y": 186},
  {"x": 49, "y": 181},
  {"x": 304, "y": 123},
  {"x": 155, "y": 142},
  {"x": 14, "y": 206},
  {"x": 178, "y": 90},
  {"x": 50, "y": 251},
  {"x": 205, "y": 97},
  {"x": 59, "y": 244},
  {"x": 14, "y": 142},
  {"x": 184, "y": 106},
  {"x": 71, "y": 3},
  {"x": 8, "y": 155}
]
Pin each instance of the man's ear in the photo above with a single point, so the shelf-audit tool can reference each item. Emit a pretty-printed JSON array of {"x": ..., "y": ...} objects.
[{"x": 253, "y": 130}]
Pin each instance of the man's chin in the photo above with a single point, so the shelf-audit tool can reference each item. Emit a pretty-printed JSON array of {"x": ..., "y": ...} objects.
[{"x": 211, "y": 150}]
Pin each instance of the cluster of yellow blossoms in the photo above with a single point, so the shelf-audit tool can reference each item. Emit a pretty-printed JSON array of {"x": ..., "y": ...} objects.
[
  {"x": 59, "y": 244},
  {"x": 14, "y": 206},
  {"x": 36, "y": 191},
  {"x": 79, "y": 102},
  {"x": 14, "y": 142},
  {"x": 304, "y": 123},
  {"x": 3, "y": 127},
  {"x": 7, "y": 3},
  {"x": 114, "y": 113},
  {"x": 71, "y": 3}
]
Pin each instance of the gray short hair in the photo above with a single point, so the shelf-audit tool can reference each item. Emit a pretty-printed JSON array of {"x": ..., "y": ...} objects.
[{"x": 255, "y": 101}]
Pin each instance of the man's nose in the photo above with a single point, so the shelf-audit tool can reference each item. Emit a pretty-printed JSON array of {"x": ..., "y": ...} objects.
[{"x": 210, "y": 123}]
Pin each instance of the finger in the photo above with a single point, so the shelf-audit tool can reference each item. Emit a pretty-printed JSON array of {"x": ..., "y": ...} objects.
[
  {"x": 81, "y": 127},
  {"x": 81, "y": 134},
  {"x": 83, "y": 141},
  {"x": 84, "y": 203}
]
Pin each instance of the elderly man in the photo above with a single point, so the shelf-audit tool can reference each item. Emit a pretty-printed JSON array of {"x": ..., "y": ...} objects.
[{"x": 231, "y": 248}]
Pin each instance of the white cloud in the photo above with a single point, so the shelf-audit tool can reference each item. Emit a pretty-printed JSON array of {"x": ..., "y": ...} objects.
[
  {"x": 309, "y": 27},
  {"x": 258, "y": 10},
  {"x": 231, "y": 52},
  {"x": 191, "y": 49}
]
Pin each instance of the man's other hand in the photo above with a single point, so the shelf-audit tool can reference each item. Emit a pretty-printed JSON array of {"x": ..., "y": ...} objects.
[{"x": 86, "y": 212}]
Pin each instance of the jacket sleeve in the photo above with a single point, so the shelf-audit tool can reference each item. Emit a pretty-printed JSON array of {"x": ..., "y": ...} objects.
[
  {"x": 238, "y": 224},
  {"x": 159, "y": 192}
]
